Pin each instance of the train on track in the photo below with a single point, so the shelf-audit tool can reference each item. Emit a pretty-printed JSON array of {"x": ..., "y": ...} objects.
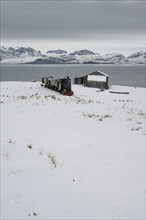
[{"x": 60, "y": 85}]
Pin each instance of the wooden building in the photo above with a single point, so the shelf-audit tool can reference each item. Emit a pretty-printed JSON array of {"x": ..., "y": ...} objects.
[{"x": 96, "y": 79}]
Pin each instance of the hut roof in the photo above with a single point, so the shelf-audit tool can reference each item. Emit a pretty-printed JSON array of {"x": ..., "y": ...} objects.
[{"x": 97, "y": 72}]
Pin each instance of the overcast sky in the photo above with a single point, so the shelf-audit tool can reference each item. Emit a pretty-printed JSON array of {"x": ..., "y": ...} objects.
[{"x": 103, "y": 26}]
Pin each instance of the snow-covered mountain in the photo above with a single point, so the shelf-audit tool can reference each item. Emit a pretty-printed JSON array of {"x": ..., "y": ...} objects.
[
  {"x": 113, "y": 58},
  {"x": 79, "y": 57},
  {"x": 89, "y": 57},
  {"x": 138, "y": 57},
  {"x": 31, "y": 56},
  {"x": 18, "y": 52}
]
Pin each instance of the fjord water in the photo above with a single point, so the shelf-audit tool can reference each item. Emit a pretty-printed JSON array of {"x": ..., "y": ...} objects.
[{"x": 126, "y": 75}]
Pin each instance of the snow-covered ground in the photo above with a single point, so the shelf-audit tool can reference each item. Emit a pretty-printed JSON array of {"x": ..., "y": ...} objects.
[{"x": 79, "y": 157}]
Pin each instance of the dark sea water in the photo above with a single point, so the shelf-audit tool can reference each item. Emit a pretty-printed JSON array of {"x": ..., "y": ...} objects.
[{"x": 127, "y": 75}]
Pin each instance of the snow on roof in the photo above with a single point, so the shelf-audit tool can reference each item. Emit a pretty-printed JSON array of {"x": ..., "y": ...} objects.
[
  {"x": 102, "y": 73},
  {"x": 98, "y": 71},
  {"x": 93, "y": 73}
]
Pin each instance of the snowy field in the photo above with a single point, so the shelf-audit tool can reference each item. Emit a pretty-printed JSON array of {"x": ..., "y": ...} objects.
[{"x": 79, "y": 157}]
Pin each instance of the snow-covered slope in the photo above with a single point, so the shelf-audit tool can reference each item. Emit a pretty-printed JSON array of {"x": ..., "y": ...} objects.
[{"x": 79, "y": 157}]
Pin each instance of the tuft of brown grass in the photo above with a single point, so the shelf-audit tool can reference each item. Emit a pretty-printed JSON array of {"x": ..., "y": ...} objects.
[
  {"x": 29, "y": 146},
  {"x": 53, "y": 160}
]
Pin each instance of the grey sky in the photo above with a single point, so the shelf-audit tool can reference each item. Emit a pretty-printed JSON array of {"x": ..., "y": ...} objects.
[{"x": 74, "y": 21}]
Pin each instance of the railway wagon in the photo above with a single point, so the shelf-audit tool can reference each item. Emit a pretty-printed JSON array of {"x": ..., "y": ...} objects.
[{"x": 60, "y": 85}]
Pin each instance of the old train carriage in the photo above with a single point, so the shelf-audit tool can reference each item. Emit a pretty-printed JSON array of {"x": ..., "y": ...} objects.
[
  {"x": 60, "y": 85},
  {"x": 96, "y": 79}
]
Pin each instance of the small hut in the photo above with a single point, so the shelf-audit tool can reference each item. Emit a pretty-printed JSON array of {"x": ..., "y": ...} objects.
[{"x": 96, "y": 79}]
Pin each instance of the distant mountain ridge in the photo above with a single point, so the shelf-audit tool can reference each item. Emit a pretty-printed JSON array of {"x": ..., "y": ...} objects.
[
  {"x": 58, "y": 52},
  {"x": 12, "y": 52},
  {"x": 28, "y": 55},
  {"x": 83, "y": 52}
]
